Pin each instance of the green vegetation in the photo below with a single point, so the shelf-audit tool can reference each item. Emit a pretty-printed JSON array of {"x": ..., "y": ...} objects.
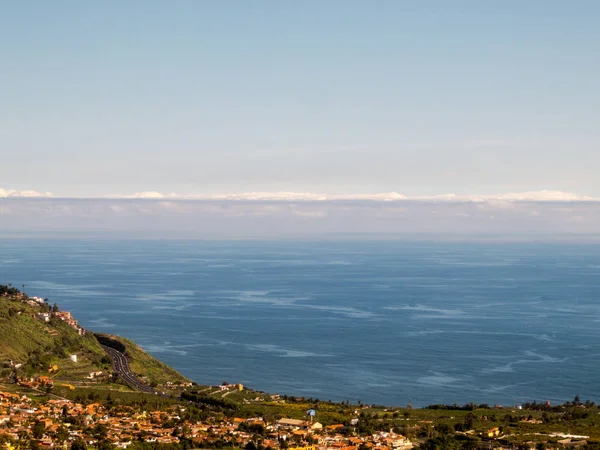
[
  {"x": 34, "y": 340},
  {"x": 29, "y": 340},
  {"x": 117, "y": 397},
  {"x": 145, "y": 366}
]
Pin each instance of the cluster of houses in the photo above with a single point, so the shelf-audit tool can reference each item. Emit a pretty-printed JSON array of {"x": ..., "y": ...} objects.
[
  {"x": 182, "y": 385},
  {"x": 35, "y": 301},
  {"x": 66, "y": 317},
  {"x": 18, "y": 416},
  {"x": 228, "y": 387},
  {"x": 121, "y": 426},
  {"x": 36, "y": 382},
  {"x": 328, "y": 437}
]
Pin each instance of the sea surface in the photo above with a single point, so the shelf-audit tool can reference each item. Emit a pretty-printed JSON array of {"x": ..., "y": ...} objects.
[{"x": 388, "y": 322}]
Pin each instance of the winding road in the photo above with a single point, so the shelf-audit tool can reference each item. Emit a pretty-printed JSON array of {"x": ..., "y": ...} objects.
[{"x": 121, "y": 367}]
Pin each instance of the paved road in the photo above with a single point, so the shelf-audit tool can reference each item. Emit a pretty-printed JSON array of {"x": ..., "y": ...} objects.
[{"x": 121, "y": 366}]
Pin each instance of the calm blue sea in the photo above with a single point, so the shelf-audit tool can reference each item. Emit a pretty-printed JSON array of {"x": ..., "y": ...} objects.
[{"x": 386, "y": 322}]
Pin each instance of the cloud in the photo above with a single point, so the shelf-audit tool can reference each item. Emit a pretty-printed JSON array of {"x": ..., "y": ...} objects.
[
  {"x": 4, "y": 193},
  {"x": 289, "y": 196},
  {"x": 536, "y": 196},
  {"x": 545, "y": 195},
  {"x": 142, "y": 195}
]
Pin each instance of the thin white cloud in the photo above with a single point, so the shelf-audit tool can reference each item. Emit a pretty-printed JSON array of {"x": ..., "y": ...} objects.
[
  {"x": 531, "y": 196},
  {"x": 537, "y": 196},
  {"x": 545, "y": 195},
  {"x": 4, "y": 193},
  {"x": 143, "y": 195}
]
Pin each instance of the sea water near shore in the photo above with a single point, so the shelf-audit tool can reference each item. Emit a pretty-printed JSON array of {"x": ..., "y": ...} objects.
[{"x": 386, "y": 321}]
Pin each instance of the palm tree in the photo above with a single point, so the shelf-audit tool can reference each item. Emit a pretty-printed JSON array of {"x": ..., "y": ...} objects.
[{"x": 23, "y": 439}]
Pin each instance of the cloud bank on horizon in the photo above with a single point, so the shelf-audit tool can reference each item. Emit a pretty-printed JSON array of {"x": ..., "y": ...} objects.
[
  {"x": 541, "y": 196},
  {"x": 268, "y": 215},
  {"x": 23, "y": 193}
]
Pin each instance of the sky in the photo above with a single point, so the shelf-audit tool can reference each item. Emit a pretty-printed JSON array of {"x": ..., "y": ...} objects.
[{"x": 336, "y": 97}]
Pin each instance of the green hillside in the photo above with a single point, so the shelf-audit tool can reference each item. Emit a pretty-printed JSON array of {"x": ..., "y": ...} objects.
[
  {"x": 143, "y": 365},
  {"x": 37, "y": 341},
  {"x": 27, "y": 339}
]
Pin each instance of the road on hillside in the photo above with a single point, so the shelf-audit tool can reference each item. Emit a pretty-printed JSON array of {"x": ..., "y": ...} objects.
[{"x": 121, "y": 367}]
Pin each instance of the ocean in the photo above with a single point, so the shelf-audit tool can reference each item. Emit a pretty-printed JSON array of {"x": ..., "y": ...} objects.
[{"x": 381, "y": 321}]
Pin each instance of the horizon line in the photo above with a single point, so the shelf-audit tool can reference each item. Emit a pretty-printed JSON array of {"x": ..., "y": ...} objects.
[{"x": 544, "y": 195}]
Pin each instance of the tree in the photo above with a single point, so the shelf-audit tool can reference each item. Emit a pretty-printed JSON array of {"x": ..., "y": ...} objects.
[
  {"x": 62, "y": 434},
  {"x": 78, "y": 444},
  {"x": 441, "y": 443},
  {"x": 23, "y": 436},
  {"x": 469, "y": 419},
  {"x": 186, "y": 431},
  {"x": 109, "y": 401},
  {"x": 104, "y": 445},
  {"x": 99, "y": 431},
  {"x": 6, "y": 441},
  {"x": 444, "y": 429},
  {"x": 471, "y": 444},
  {"x": 38, "y": 429}
]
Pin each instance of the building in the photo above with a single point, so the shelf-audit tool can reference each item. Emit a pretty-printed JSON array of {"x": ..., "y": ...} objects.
[{"x": 296, "y": 424}]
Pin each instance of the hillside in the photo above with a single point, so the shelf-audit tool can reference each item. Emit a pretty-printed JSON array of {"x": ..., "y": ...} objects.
[
  {"x": 37, "y": 339},
  {"x": 142, "y": 364}
]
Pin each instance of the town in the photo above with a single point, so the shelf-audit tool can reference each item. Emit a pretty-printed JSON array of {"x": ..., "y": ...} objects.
[
  {"x": 111, "y": 421},
  {"x": 61, "y": 422}
]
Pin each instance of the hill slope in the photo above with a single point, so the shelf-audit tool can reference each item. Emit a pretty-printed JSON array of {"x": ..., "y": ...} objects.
[
  {"x": 27, "y": 338},
  {"x": 141, "y": 363},
  {"x": 39, "y": 339}
]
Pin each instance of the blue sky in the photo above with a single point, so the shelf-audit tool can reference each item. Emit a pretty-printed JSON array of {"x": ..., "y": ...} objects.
[{"x": 341, "y": 96}]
